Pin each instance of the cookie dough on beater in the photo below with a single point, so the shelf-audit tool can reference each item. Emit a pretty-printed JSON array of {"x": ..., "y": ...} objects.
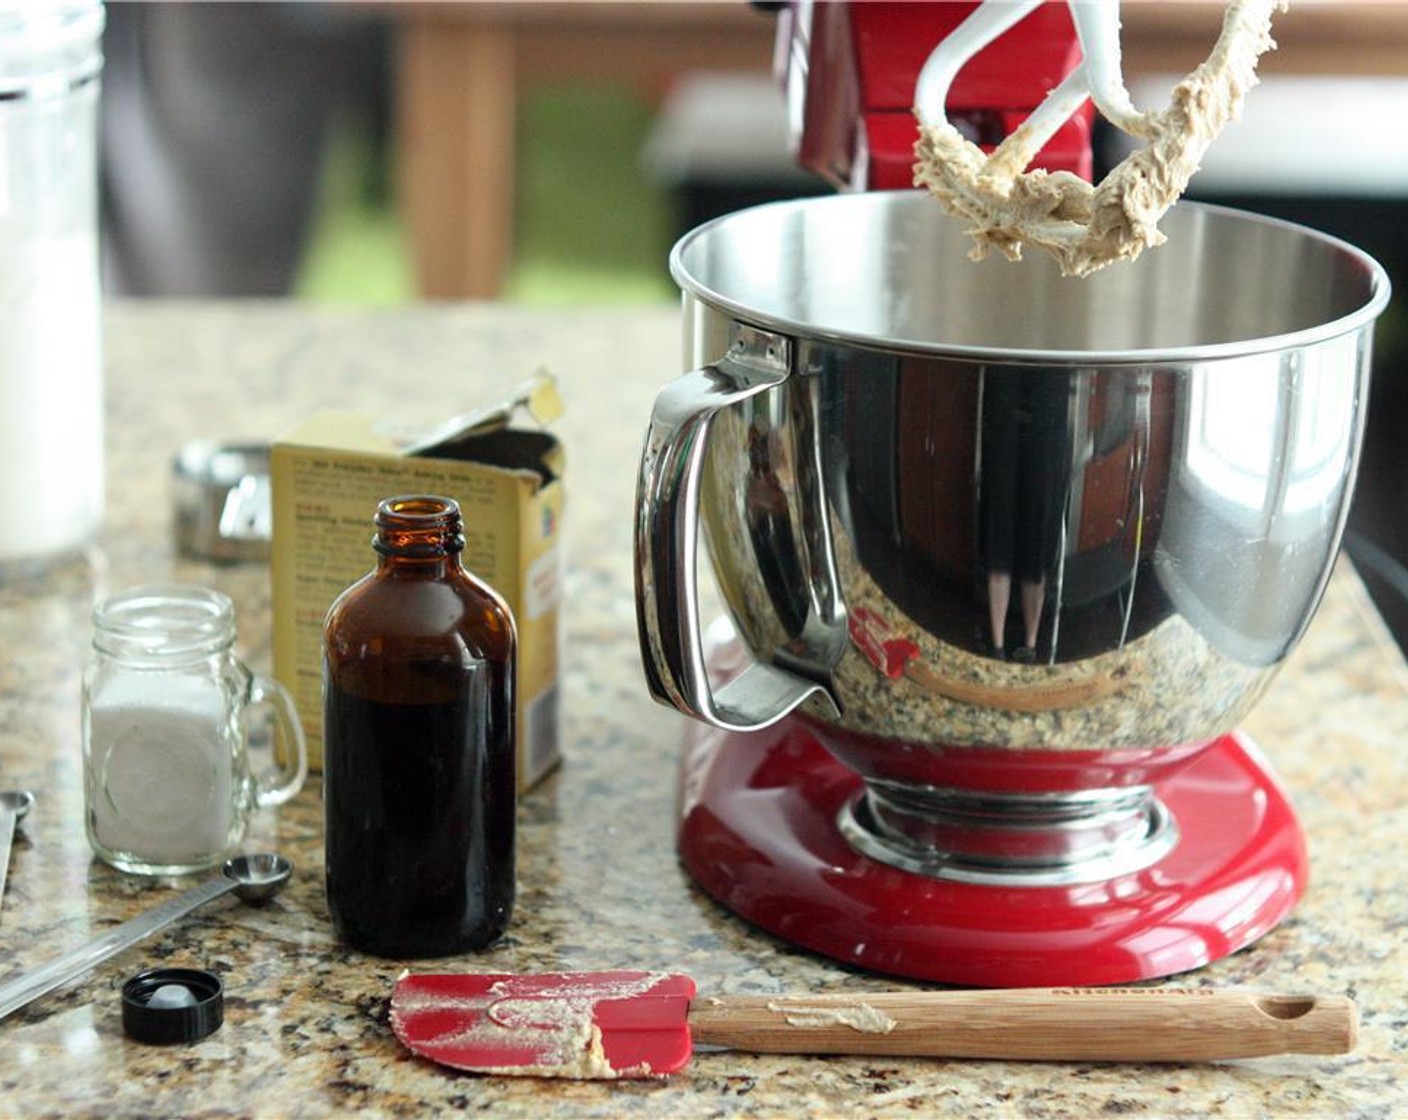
[{"x": 1085, "y": 227}]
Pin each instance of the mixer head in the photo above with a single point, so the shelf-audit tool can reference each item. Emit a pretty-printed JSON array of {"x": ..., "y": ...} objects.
[{"x": 850, "y": 72}]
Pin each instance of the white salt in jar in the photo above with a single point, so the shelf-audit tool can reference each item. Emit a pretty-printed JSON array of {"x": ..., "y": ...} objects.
[{"x": 166, "y": 710}]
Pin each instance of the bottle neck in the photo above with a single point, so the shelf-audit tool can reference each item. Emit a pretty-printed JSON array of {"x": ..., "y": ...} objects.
[{"x": 418, "y": 534}]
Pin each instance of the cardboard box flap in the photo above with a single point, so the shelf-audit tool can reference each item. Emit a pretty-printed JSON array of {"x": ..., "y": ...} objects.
[
  {"x": 511, "y": 449},
  {"x": 482, "y": 436},
  {"x": 537, "y": 396}
]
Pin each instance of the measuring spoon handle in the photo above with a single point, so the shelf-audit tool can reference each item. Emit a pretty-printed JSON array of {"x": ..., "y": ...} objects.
[{"x": 30, "y": 986}]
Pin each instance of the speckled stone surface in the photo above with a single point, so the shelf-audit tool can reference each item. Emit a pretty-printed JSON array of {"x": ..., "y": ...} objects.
[{"x": 306, "y": 1032}]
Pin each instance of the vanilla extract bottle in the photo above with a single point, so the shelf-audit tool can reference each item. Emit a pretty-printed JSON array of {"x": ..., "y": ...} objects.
[{"x": 419, "y": 782}]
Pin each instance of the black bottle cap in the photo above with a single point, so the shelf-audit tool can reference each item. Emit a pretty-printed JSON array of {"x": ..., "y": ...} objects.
[{"x": 196, "y": 1015}]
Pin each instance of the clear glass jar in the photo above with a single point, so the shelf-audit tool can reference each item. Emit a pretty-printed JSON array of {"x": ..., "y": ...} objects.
[
  {"x": 51, "y": 387},
  {"x": 168, "y": 785}
]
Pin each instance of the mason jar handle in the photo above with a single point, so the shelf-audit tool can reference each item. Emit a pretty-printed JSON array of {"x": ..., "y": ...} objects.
[
  {"x": 667, "y": 543},
  {"x": 281, "y": 781}
]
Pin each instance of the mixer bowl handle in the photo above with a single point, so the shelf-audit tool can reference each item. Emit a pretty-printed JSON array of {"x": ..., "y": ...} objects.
[{"x": 667, "y": 544}]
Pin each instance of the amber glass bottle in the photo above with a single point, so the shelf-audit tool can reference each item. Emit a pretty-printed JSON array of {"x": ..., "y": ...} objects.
[{"x": 418, "y": 744}]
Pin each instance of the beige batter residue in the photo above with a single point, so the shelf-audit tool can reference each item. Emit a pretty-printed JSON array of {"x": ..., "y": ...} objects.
[
  {"x": 560, "y": 1027},
  {"x": 858, "y": 1016},
  {"x": 1086, "y": 227},
  {"x": 582, "y": 1057}
]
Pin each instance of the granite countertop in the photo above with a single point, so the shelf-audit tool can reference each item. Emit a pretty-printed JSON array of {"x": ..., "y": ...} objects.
[{"x": 306, "y": 1032}]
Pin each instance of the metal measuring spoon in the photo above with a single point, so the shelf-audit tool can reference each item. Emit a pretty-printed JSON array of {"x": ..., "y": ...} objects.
[
  {"x": 253, "y": 878},
  {"x": 14, "y": 804}
]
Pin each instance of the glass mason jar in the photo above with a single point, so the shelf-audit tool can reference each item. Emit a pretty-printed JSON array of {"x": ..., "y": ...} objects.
[
  {"x": 168, "y": 783},
  {"x": 51, "y": 388}
]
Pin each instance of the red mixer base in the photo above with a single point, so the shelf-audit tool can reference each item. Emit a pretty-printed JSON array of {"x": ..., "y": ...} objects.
[{"x": 758, "y": 832}]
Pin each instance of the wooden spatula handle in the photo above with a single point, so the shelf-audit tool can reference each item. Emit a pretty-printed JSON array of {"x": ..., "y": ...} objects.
[{"x": 1059, "y": 1024}]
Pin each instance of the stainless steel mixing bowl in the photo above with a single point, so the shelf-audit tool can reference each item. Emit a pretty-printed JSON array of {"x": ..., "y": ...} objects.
[{"x": 1012, "y": 544}]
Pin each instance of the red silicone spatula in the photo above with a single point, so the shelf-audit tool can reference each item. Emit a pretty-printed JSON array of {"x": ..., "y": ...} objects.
[{"x": 645, "y": 1024}]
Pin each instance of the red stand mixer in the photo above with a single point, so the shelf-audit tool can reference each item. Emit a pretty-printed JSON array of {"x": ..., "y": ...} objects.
[
  {"x": 849, "y": 71},
  {"x": 1007, "y": 556}
]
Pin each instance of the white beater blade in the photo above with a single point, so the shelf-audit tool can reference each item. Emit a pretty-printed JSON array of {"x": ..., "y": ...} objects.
[
  {"x": 1098, "y": 28},
  {"x": 984, "y": 24},
  {"x": 1099, "y": 77}
]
